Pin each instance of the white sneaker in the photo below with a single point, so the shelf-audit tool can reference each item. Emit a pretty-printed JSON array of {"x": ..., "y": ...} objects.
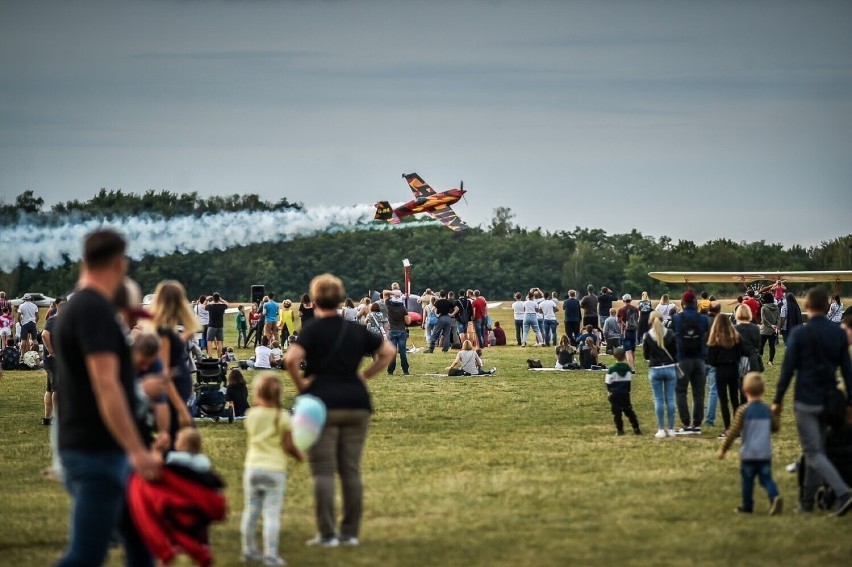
[
  {"x": 319, "y": 541},
  {"x": 671, "y": 432},
  {"x": 274, "y": 562},
  {"x": 349, "y": 542},
  {"x": 660, "y": 434}
]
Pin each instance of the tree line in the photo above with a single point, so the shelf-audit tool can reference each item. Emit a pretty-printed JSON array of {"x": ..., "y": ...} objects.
[{"x": 500, "y": 259}]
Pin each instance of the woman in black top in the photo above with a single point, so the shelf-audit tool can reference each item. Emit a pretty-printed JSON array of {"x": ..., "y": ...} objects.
[
  {"x": 723, "y": 354},
  {"x": 236, "y": 393},
  {"x": 660, "y": 350},
  {"x": 175, "y": 324},
  {"x": 306, "y": 310},
  {"x": 333, "y": 350},
  {"x": 749, "y": 344}
]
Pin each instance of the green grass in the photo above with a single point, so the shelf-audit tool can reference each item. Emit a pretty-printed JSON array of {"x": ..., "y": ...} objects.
[{"x": 517, "y": 469}]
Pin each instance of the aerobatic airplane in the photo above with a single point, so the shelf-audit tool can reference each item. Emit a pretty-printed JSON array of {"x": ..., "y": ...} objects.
[{"x": 426, "y": 200}]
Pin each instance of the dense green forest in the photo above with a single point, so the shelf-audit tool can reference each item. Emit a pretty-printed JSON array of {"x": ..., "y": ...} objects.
[{"x": 500, "y": 259}]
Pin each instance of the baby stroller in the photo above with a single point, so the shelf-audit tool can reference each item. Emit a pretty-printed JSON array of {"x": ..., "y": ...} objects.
[{"x": 210, "y": 376}]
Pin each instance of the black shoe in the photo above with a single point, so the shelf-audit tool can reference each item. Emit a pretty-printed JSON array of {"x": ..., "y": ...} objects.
[
  {"x": 390, "y": 373},
  {"x": 619, "y": 433},
  {"x": 46, "y": 421},
  {"x": 637, "y": 431},
  {"x": 429, "y": 350},
  {"x": 844, "y": 503},
  {"x": 406, "y": 373},
  {"x": 741, "y": 510}
]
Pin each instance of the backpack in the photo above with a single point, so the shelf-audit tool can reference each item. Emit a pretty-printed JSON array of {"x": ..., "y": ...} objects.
[
  {"x": 691, "y": 340},
  {"x": 433, "y": 318},
  {"x": 632, "y": 320},
  {"x": 463, "y": 315}
]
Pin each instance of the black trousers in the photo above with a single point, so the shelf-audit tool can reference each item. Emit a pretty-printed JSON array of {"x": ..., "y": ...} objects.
[{"x": 620, "y": 404}]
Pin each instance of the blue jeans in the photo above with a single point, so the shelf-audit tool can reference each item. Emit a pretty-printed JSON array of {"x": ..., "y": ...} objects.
[
  {"x": 519, "y": 327},
  {"x": 712, "y": 396},
  {"x": 763, "y": 471},
  {"x": 550, "y": 331},
  {"x": 97, "y": 483},
  {"x": 531, "y": 321},
  {"x": 479, "y": 325},
  {"x": 443, "y": 326},
  {"x": 663, "y": 380},
  {"x": 399, "y": 339}
]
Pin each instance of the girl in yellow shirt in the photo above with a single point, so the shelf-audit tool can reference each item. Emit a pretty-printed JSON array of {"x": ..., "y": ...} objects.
[{"x": 265, "y": 476}]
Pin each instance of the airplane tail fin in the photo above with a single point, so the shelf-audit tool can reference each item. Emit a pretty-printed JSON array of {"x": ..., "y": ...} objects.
[{"x": 384, "y": 211}]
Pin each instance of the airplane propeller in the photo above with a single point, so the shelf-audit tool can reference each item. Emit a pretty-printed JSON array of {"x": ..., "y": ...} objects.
[{"x": 461, "y": 186}]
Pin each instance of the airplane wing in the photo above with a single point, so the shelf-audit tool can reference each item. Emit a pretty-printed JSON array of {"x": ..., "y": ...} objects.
[
  {"x": 419, "y": 187},
  {"x": 744, "y": 277},
  {"x": 447, "y": 216}
]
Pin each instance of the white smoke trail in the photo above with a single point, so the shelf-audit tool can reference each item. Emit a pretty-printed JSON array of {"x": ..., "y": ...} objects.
[{"x": 59, "y": 242}]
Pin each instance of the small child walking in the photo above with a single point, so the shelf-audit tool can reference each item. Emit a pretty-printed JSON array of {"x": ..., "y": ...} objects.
[
  {"x": 755, "y": 423},
  {"x": 618, "y": 380},
  {"x": 265, "y": 475}
]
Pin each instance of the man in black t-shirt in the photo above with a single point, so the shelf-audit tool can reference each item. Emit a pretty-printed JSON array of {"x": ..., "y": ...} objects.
[
  {"x": 445, "y": 310},
  {"x": 605, "y": 300},
  {"x": 216, "y": 326},
  {"x": 398, "y": 320},
  {"x": 98, "y": 438}
]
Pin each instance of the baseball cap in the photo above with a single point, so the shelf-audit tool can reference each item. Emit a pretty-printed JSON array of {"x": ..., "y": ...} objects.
[
  {"x": 688, "y": 297},
  {"x": 626, "y": 297}
]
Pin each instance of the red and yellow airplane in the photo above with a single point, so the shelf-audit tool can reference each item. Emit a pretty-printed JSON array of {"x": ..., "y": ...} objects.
[{"x": 426, "y": 200}]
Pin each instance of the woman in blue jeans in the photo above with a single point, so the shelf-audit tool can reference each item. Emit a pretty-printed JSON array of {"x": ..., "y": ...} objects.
[
  {"x": 531, "y": 321},
  {"x": 660, "y": 351}
]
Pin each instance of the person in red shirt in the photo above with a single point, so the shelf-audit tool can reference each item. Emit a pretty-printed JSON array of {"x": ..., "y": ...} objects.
[
  {"x": 480, "y": 312},
  {"x": 754, "y": 305}
]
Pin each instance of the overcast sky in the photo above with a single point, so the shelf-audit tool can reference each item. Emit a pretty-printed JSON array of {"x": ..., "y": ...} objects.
[{"x": 697, "y": 120}]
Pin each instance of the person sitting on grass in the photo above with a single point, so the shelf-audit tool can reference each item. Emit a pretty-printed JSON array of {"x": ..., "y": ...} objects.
[
  {"x": 10, "y": 356},
  {"x": 755, "y": 422},
  {"x": 499, "y": 334},
  {"x": 565, "y": 354},
  {"x": 469, "y": 361},
  {"x": 589, "y": 345},
  {"x": 618, "y": 379},
  {"x": 236, "y": 394}
]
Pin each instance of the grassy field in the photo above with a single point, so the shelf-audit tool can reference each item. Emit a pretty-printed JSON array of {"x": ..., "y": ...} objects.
[{"x": 517, "y": 469}]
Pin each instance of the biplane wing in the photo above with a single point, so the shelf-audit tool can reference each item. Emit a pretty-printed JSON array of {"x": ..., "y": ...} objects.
[
  {"x": 747, "y": 277},
  {"x": 447, "y": 215},
  {"x": 419, "y": 187}
]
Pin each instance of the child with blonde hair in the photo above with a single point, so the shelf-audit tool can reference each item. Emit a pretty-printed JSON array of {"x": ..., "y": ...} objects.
[
  {"x": 265, "y": 475},
  {"x": 756, "y": 423}
]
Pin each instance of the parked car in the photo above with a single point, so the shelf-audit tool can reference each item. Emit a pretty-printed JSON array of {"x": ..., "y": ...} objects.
[{"x": 40, "y": 299}]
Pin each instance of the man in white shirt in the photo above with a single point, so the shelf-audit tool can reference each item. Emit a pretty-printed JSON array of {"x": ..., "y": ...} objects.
[
  {"x": 27, "y": 317},
  {"x": 548, "y": 310}
]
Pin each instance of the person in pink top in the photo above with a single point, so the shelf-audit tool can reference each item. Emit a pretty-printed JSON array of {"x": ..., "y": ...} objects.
[{"x": 6, "y": 323}]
